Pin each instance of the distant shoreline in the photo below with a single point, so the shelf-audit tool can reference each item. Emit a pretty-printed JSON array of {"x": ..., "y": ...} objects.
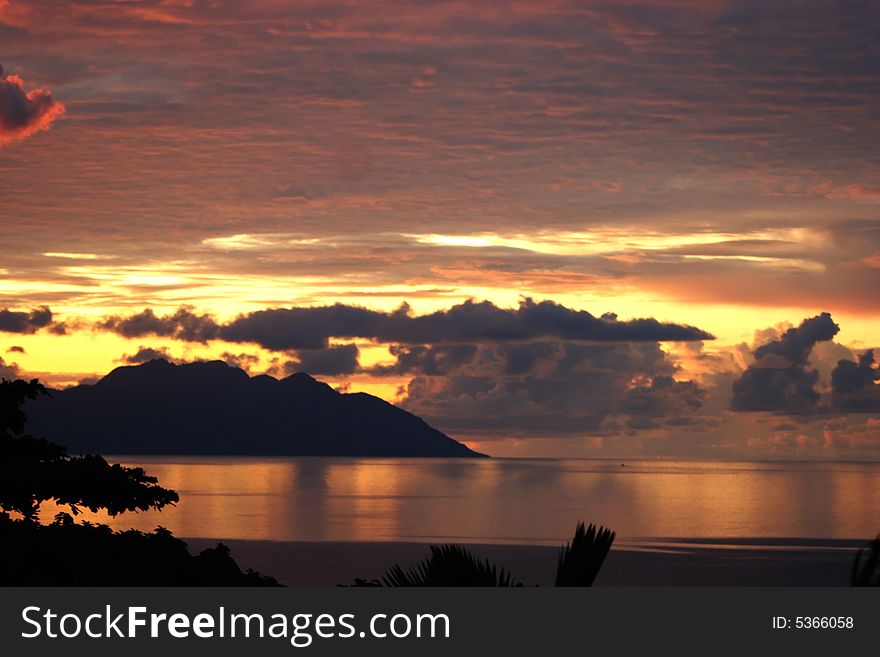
[
  {"x": 258, "y": 455},
  {"x": 673, "y": 562},
  {"x": 480, "y": 455}
]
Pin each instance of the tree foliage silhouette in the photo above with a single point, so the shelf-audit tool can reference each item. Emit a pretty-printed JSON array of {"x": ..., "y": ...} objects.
[
  {"x": 453, "y": 565},
  {"x": 33, "y": 470},
  {"x": 63, "y": 552}
]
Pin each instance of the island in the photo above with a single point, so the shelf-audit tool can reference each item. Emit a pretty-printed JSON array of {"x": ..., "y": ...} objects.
[{"x": 212, "y": 408}]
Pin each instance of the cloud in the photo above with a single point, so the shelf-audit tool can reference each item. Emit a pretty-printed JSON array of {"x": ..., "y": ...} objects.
[
  {"x": 145, "y": 354},
  {"x": 848, "y": 434},
  {"x": 245, "y": 362},
  {"x": 283, "y": 329},
  {"x": 535, "y": 120},
  {"x": 23, "y": 113},
  {"x": 336, "y": 360},
  {"x": 854, "y": 385},
  {"x": 25, "y": 322},
  {"x": 9, "y": 370},
  {"x": 657, "y": 401},
  {"x": 426, "y": 359},
  {"x": 539, "y": 369},
  {"x": 485, "y": 322},
  {"x": 182, "y": 325},
  {"x": 15, "y": 349},
  {"x": 242, "y": 361},
  {"x": 702, "y": 155},
  {"x": 796, "y": 344},
  {"x": 780, "y": 380},
  {"x": 550, "y": 389}
]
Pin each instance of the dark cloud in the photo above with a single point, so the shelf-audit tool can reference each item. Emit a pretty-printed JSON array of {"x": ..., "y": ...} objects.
[
  {"x": 485, "y": 322},
  {"x": 22, "y": 113},
  {"x": 427, "y": 360},
  {"x": 182, "y": 325},
  {"x": 9, "y": 370},
  {"x": 25, "y": 322},
  {"x": 243, "y": 361},
  {"x": 15, "y": 349},
  {"x": 283, "y": 329},
  {"x": 780, "y": 380},
  {"x": 58, "y": 328},
  {"x": 336, "y": 360},
  {"x": 854, "y": 385},
  {"x": 145, "y": 354},
  {"x": 552, "y": 389},
  {"x": 522, "y": 358},
  {"x": 796, "y": 344},
  {"x": 305, "y": 328},
  {"x": 661, "y": 400}
]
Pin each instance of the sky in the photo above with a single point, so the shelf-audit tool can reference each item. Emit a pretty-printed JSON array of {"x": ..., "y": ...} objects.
[{"x": 625, "y": 228}]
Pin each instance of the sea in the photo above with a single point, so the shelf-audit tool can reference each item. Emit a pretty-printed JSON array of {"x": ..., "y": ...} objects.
[{"x": 506, "y": 501}]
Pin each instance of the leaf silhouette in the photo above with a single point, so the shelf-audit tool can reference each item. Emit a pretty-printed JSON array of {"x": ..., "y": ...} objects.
[
  {"x": 866, "y": 565},
  {"x": 580, "y": 560},
  {"x": 450, "y": 565}
]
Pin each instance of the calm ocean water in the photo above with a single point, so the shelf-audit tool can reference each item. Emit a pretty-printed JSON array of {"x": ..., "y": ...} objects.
[{"x": 508, "y": 500}]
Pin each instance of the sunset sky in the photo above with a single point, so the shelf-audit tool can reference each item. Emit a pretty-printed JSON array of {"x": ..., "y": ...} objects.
[{"x": 462, "y": 207}]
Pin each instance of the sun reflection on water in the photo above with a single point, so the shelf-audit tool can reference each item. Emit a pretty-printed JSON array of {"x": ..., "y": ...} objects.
[{"x": 500, "y": 500}]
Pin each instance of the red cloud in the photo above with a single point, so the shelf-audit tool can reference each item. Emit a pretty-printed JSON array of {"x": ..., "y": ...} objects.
[{"x": 22, "y": 113}]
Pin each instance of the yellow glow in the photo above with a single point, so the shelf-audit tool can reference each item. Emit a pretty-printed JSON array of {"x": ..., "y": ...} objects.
[
  {"x": 385, "y": 389},
  {"x": 244, "y": 241},
  {"x": 77, "y": 256},
  {"x": 791, "y": 263},
  {"x": 466, "y": 240},
  {"x": 23, "y": 287},
  {"x": 368, "y": 495},
  {"x": 66, "y": 359},
  {"x": 94, "y": 289},
  {"x": 130, "y": 276},
  {"x": 371, "y": 353},
  {"x": 605, "y": 240}
]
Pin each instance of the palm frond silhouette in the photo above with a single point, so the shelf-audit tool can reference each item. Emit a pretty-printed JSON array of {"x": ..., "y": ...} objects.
[
  {"x": 454, "y": 565},
  {"x": 450, "y": 565},
  {"x": 580, "y": 560},
  {"x": 866, "y": 566}
]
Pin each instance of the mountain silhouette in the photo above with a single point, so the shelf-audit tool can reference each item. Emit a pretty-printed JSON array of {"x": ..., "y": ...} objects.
[{"x": 213, "y": 408}]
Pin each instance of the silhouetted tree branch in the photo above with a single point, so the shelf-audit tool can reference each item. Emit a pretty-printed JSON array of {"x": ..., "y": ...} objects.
[
  {"x": 13, "y": 395},
  {"x": 64, "y": 553}
]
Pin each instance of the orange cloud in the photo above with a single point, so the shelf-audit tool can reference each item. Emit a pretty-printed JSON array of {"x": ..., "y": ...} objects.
[
  {"x": 23, "y": 113},
  {"x": 872, "y": 261},
  {"x": 852, "y": 191}
]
